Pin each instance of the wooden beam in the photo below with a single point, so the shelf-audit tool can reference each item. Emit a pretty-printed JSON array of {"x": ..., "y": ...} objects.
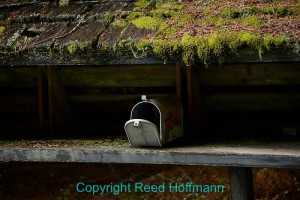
[
  {"x": 241, "y": 183},
  {"x": 43, "y": 97},
  {"x": 59, "y": 108},
  {"x": 195, "y": 114}
]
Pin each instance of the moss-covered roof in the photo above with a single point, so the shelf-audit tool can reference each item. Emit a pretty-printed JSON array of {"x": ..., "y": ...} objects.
[{"x": 116, "y": 31}]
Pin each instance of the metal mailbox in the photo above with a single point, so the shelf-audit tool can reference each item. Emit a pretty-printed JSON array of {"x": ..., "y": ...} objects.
[{"x": 155, "y": 122}]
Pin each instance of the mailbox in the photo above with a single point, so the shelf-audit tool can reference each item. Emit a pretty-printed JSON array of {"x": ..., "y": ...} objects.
[{"x": 155, "y": 122}]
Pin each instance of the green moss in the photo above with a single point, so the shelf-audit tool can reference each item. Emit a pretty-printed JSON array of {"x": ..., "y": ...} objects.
[
  {"x": 171, "y": 5},
  {"x": 108, "y": 17},
  {"x": 164, "y": 14},
  {"x": 134, "y": 15},
  {"x": 203, "y": 50},
  {"x": 185, "y": 19},
  {"x": 295, "y": 11},
  {"x": 230, "y": 13},
  {"x": 72, "y": 48},
  {"x": 166, "y": 50},
  {"x": 119, "y": 23},
  {"x": 249, "y": 11},
  {"x": 206, "y": 11},
  {"x": 122, "y": 46},
  {"x": 213, "y": 20},
  {"x": 143, "y": 3},
  {"x": 188, "y": 49},
  {"x": 147, "y": 22},
  {"x": 281, "y": 11},
  {"x": 7, "y": 21},
  {"x": 2, "y": 29},
  {"x": 143, "y": 45},
  {"x": 165, "y": 30},
  {"x": 75, "y": 47},
  {"x": 253, "y": 41},
  {"x": 268, "y": 10},
  {"x": 270, "y": 41},
  {"x": 252, "y": 21}
]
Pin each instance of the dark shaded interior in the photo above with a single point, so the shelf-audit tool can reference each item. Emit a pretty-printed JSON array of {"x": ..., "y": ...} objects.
[{"x": 147, "y": 111}]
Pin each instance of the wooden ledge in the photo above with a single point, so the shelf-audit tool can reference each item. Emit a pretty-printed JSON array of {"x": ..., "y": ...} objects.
[{"x": 246, "y": 154}]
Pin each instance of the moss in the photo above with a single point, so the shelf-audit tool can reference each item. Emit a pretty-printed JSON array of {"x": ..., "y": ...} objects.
[
  {"x": 119, "y": 23},
  {"x": 281, "y": 11},
  {"x": 253, "y": 41},
  {"x": 108, "y": 17},
  {"x": 123, "y": 45},
  {"x": 72, "y": 48},
  {"x": 147, "y": 22},
  {"x": 295, "y": 11},
  {"x": 164, "y": 14},
  {"x": 206, "y": 11},
  {"x": 217, "y": 45},
  {"x": 143, "y": 45},
  {"x": 188, "y": 49},
  {"x": 134, "y": 15},
  {"x": 270, "y": 41},
  {"x": 166, "y": 50},
  {"x": 2, "y": 29},
  {"x": 252, "y": 21},
  {"x": 171, "y": 5},
  {"x": 249, "y": 11},
  {"x": 185, "y": 19},
  {"x": 230, "y": 13},
  {"x": 165, "y": 30},
  {"x": 143, "y": 3},
  {"x": 75, "y": 47},
  {"x": 213, "y": 20},
  {"x": 268, "y": 10},
  {"x": 203, "y": 50}
]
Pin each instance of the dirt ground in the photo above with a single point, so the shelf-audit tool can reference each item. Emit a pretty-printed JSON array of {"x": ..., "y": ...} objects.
[{"x": 59, "y": 180}]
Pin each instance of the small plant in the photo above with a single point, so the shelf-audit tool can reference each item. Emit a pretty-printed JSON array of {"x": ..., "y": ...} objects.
[
  {"x": 252, "y": 21},
  {"x": 230, "y": 13},
  {"x": 147, "y": 22},
  {"x": 2, "y": 29},
  {"x": 143, "y": 3}
]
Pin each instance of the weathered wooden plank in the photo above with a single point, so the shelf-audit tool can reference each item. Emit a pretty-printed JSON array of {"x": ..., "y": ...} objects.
[
  {"x": 252, "y": 102},
  {"x": 250, "y": 74},
  {"x": 59, "y": 108},
  {"x": 110, "y": 98},
  {"x": 18, "y": 77},
  {"x": 103, "y": 103},
  {"x": 18, "y": 103},
  {"x": 195, "y": 112},
  {"x": 119, "y": 76},
  {"x": 240, "y": 153},
  {"x": 43, "y": 96},
  {"x": 241, "y": 183}
]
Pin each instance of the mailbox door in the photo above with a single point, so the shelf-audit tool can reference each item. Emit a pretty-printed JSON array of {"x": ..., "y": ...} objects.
[{"x": 142, "y": 132}]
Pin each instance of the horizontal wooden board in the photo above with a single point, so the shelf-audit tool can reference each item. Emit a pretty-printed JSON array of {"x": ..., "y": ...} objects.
[
  {"x": 120, "y": 76},
  {"x": 18, "y": 77},
  {"x": 250, "y": 74},
  {"x": 251, "y": 102},
  {"x": 18, "y": 103}
]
